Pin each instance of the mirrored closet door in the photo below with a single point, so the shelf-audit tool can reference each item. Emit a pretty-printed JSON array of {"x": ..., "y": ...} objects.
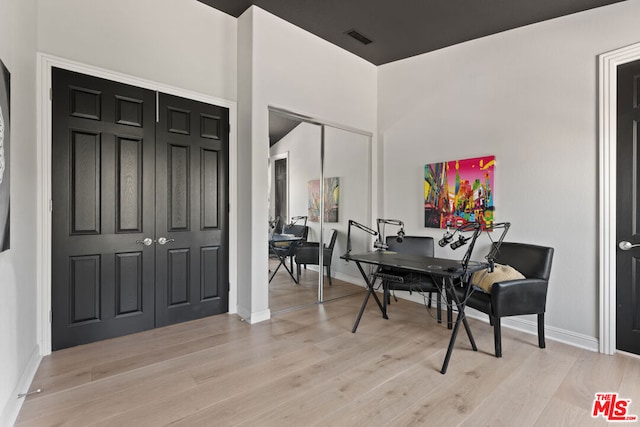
[{"x": 320, "y": 178}]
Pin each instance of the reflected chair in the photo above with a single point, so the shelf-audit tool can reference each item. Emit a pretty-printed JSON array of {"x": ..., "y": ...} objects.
[
  {"x": 308, "y": 253},
  {"x": 422, "y": 283},
  {"x": 519, "y": 296},
  {"x": 288, "y": 249},
  {"x": 299, "y": 219}
]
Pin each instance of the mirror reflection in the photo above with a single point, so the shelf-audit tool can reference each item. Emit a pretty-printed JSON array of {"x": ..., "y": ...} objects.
[
  {"x": 294, "y": 159},
  {"x": 311, "y": 199}
]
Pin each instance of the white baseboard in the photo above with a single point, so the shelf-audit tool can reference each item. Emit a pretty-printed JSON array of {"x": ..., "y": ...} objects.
[
  {"x": 528, "y": 326},
  {"x": 252, "y": 318},
  {"x": 550, "y": 332},
  {"x": 259, "y": 316},
  {"x": 12, "y": 407},
  {"x": 355, "y": 280},
  {"x": 349, "y": 279}
]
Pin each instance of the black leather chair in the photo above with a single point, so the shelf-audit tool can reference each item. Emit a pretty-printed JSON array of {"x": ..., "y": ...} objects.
[
  {"x": 308, "y": 253},
  {"x": 520, "y": 296},
  {"x": 414, "y": 245}
]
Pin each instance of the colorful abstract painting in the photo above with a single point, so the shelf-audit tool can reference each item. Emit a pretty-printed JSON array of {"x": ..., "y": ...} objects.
[
  {"x": 331, "y": 199},
  {"x": 458, "y": 192}
]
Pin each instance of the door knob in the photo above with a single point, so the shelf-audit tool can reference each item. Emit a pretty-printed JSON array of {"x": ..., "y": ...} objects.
[
  {"x": 147, "y": 242},
  {"x": 164, "y": 240},
  {"x": 625, "y": 246}
]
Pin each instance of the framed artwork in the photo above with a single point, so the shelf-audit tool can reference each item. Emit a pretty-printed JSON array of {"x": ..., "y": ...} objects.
[
  {"x": 5, "y": 135},
  {"x": 458, "y": 192},
  {"x": 331, "y": 199}
]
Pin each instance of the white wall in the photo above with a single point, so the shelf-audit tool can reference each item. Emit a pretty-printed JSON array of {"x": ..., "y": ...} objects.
[
  {"x": 347, "y": 156},
  {"x": 19, "y": 352},
  {"x": 297, "y": 71},
  {"x": 182, "y": 43},
  {"x": 529, "y": 97}
]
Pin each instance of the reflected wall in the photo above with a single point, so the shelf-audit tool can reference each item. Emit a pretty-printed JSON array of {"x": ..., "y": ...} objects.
[
  {"x": 347, "y": 156},
  {"x": 329, "y": 182}
]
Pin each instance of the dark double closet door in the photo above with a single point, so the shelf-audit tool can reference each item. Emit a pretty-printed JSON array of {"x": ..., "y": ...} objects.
[{"x": 140, "y": 209}]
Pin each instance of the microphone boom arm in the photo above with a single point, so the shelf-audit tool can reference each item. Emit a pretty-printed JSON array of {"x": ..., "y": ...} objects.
[
  {"x": 361, "y": 227},
  {"x": 380, "y": 243},
  {"x": 496, "y": 248}
]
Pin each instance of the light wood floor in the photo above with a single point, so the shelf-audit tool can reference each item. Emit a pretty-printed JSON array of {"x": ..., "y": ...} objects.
[
  {"x": 285, "y": 294},
  {"x": 306, "y": 368}
]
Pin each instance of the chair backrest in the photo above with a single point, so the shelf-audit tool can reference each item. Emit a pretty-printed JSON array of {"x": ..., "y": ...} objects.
[
  {"x": 332, "y": 241},
  {"x": 296, "y": 230},
  {"x": 531, "y": 260},
  {"x": 413, "y": 245},
  {"x": 299, "y": 219}
]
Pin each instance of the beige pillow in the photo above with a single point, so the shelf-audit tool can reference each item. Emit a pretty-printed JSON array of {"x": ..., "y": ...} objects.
[{"x": 485, "y": 280}]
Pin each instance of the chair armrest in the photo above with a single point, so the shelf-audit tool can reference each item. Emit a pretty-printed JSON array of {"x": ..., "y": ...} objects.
[{"x": 517, "y": 297}]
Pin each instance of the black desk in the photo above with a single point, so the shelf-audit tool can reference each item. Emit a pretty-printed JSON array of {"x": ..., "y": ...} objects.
[
  {"x": 445, "y": 272},
  {"x": 283, "y": 252}
]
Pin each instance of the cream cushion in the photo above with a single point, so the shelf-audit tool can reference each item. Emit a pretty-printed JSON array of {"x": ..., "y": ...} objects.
[{"x": 485, "y": 280}]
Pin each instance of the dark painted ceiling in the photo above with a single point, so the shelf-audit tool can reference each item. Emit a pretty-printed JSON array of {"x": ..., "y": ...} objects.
[{"x": 400, "y": 29}]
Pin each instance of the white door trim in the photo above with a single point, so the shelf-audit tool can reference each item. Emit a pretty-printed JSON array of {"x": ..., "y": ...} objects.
[
  {"x": 607, "y": 86},
  {"x": 43, "y": 262},
  {"x": 272, "y": 178}
]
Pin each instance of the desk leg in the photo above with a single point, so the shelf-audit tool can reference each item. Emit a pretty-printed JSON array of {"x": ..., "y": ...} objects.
[
  {"x": 277, "y": 268},
  {"x": 283, "y": 264},
  {"x": 461, "y": 317},
  {"x": 370, "y": 291},
  {"x": 452, "y": 341}
]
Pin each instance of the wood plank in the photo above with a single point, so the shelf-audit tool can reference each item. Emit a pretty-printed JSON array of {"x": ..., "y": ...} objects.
[{"x": 305, "y": 367}]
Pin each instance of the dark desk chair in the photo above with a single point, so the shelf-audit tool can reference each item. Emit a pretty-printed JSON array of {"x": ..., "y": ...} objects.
[
  {"x": 414, "y": 245},
  {"x": 308, "y": 253},
  {"x": 519, "y": 296},
  {"x": 288, "y": 249}
]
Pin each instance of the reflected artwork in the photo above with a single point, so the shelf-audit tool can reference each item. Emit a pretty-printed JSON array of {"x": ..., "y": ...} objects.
[{"x": 331, "y": 199}]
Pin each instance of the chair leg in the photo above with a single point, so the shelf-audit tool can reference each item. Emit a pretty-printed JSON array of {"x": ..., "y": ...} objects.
[
  {"x": 449, "y": 312},
  {"x": 298, "y": 272},
  {"x": 429, "y": 301},
  {"x": 497, "y": 337},
  {"x": 438, "y": 306},
  {"x": 329, "y": 274},
  {"x": 541, "y": 343}
]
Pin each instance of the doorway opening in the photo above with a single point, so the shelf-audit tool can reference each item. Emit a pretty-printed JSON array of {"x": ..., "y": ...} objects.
[
  {"x": 44, "y": 244},
  {"x": 607, "y": 234},
  {"x": 140, "y": 226}
]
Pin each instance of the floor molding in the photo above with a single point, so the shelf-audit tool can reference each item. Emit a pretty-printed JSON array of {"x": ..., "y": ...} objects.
[
  {"x": 521, "y": 323},
  {"x": 550, "y": 332},
  {"x": 13, "y": 406}
]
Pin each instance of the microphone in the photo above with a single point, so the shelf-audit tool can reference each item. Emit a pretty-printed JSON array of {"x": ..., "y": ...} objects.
[
  {"x": 400, "y": 237},
  {"x": 445, "y": 239},
  {"x": 460, "y": 242}
]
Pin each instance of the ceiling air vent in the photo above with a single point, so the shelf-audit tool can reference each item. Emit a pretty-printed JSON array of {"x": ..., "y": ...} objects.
[{"x": 358, "y": 36}]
